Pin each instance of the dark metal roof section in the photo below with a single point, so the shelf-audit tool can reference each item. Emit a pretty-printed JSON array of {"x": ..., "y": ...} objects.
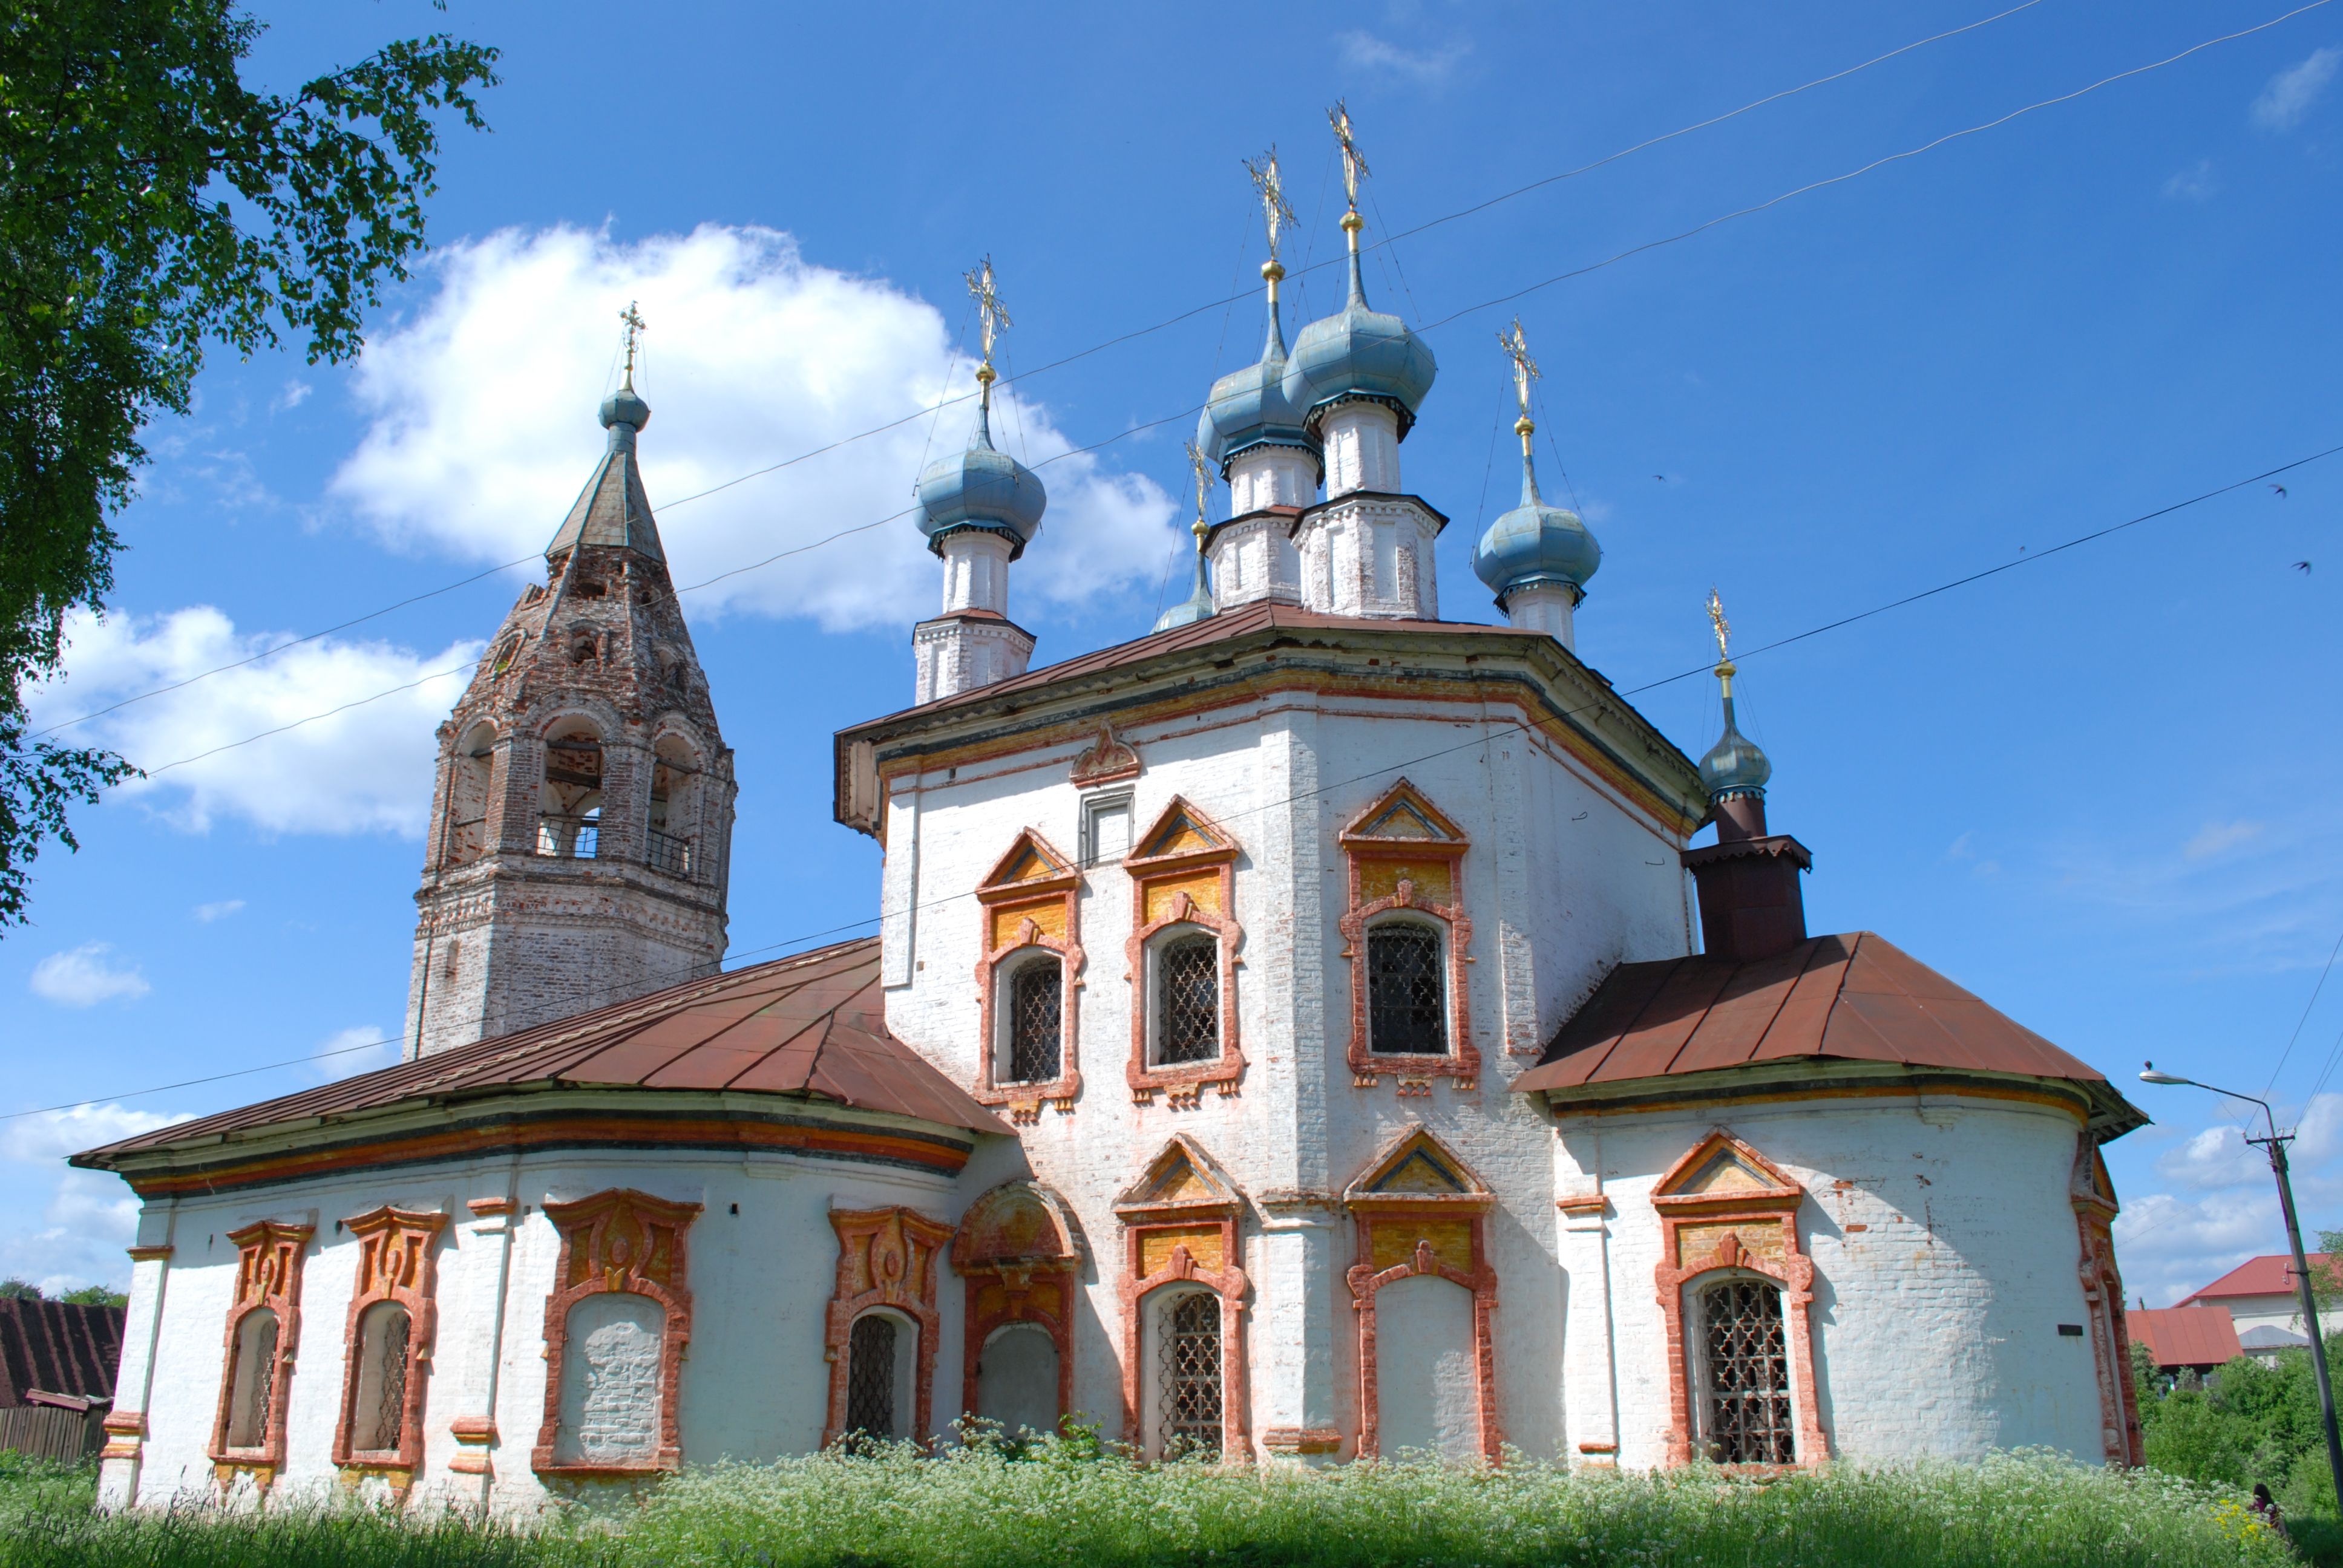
[
  {"x": 1855, "y": 997},
  {"x": 613, "y": 509},
  {"x": 54, "y": 1347},
  {"x": 813, "y": 1025}
]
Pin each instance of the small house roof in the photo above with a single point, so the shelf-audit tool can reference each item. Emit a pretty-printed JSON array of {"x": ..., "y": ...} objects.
[
  {"x": 2185, "y": 1336},
  {"x": 2267, "y": 1276}
]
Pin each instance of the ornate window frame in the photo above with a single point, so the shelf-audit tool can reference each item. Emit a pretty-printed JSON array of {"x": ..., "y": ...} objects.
[
  {"x": 1402, "y": 853},
  {"x": 396, "y": 1265},
  {"x": 2092, "y": 1194},
  {"x": 1032, "y": 899},
  {"x": 1420, "y": 1209},
  {"x": 1182, "y": 872},
  {"x": 269, "y": 1255},
  {"x": 1724, "y": 1206},
  {"x": 1180, "y": 1224},
  {"x": 886, "y": 1259},
  {"x": 619, "y": 1241},
  {"x": 1022, "y": 1253}
]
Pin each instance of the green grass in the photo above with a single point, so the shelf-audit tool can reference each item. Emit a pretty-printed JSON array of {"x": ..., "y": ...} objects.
[{"x": 977, "y": 1509}]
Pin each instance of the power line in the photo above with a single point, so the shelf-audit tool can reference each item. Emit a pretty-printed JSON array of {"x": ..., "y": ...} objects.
[
  {"x": 1168, "y": 322},
  {"x": 2305, "y": 1019}
]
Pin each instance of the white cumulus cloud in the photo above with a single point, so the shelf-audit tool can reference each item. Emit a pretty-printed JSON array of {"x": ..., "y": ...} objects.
[
  {"x": 221, "y": 910},
  {"x": 363, "y": 768},
  {"x": 347, "y": 1052},
  {"x": 54, "y": 1134},
  {"x": 84, "y": 976},
  {"x": 2292, "y": 90},
  {"x": 484, "y": 432},
  {"x": 1362, "y": 51}
]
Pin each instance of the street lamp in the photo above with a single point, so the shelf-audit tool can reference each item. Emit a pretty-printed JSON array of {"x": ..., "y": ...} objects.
[{"x": 2276, "y": 1143}]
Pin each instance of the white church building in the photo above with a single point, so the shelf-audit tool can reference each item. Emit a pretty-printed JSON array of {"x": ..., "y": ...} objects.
[{"x": 1301, "y": 1034}]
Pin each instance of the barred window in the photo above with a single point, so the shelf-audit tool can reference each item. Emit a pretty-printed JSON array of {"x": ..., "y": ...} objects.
[
  {"x": 870, "y": 1377},
  {"x": 1188, "y": 1377},
  {"x": 1188, "y": 1001},
  {"x": 378, "y": 1413},
  {"x": 1404, "y": 991},
  {"x": 252, "y": 1380},
  {"x": 1744, "y": 1396},
  {"x": 1036, "y": 1022}
]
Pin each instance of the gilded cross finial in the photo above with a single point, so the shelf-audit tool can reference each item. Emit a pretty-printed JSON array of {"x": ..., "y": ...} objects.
[
  {"x": 1526, "y": 370},
  {"x": 1724, "y": 670},
  {"x": 633, "y": 320},
  {"x": 1203, "y": 466},
  {"x": 1271, "y": 186},
  {"x": 993, "y": 318},
  {"x": 1354, "y": 167}
]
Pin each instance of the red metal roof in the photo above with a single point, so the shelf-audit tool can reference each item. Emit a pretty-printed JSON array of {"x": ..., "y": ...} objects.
[
  {"x": 2270, "y": 1276},
  {"x": 56, "y": 1347},
  {"x": 2185, "y": 1336},
  {"x": 813, "y": 1024},
  {"x": 1856, "y": 996}
]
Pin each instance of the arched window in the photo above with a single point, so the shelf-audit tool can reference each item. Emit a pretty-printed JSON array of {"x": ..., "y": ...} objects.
[
  {"x": 1036, "y": 1020},
  {"x": 674, "y": 773},
  {"x": 1016, "y": 1379},
  {"x": 881, "y": 1352},
  {"x": 1744, "y": 1373},
  {"x": 1188, "y": 1375},
  {"x": 468, "y": 777},
  {"x": 1187, "y": 998},
  {"x": 1406, "y": 1002},
  {"x": 569, "y": 820},
  {"x": 252, "y": 1388},
  {"x": 379, "y": 1414}
]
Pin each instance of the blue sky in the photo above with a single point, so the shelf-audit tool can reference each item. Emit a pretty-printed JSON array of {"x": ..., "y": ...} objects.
[{"x": 2093, "y": 790}]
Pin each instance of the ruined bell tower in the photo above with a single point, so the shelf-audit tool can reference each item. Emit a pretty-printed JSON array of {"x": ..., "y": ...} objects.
[{"x": 581, "y": 823}]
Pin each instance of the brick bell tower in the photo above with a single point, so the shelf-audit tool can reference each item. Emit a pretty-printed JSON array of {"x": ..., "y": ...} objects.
[{"x": 581, "y": 823}]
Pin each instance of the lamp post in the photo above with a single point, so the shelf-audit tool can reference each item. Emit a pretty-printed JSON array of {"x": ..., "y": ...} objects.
[{"x": 2276, "y": 1143}]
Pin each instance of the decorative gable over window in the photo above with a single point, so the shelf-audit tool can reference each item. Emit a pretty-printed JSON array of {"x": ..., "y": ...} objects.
[
  {"x": 1029, "y": 980},
  {"x": 1408, "y": 941},
  {"x": 1421, "y": 1214},
  {"x": 1183, "y": 954},
  {"x": 1180, "y": 1236}
]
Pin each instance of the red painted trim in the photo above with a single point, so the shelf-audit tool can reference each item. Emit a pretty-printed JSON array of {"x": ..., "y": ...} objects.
[
  {"x": 2091, "y": 1194},
  {"x": 1228, "y": 1282},
  {"x": 1461, "y": 1061},
  {"x": 1023, "y": 1286},
  {"x": 395, "y": 1264},
  {"x": 886, "y": 1258},
  {"x": 1774, "y": 1205},
  {"x": 594, "y": 1261},
  {"x": 1025, "y": 1099},
  {"x": 267, "y": 1274},
  {"x": 1184, "y": 1080}
]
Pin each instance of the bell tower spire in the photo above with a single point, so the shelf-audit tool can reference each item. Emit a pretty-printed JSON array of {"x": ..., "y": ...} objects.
[{"x": 581, "y": 825}]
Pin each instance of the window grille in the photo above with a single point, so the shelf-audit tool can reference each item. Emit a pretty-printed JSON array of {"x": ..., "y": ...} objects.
[
  {"x": 1745, "y": 1402},
  {"x": 255, "y": 1386},
  {"x": 1188, "y": 1001},
  {"x": 1404, "y": 991},
  {"x": 390, "y": 1402},
  {"x": 1188, "y": 1393},
  {"x": 567, "y": 837},
  {"x": 1036, "y": 998},
  {"x": 870, "y": 1377},
  {"x": 669, "y": 853}
]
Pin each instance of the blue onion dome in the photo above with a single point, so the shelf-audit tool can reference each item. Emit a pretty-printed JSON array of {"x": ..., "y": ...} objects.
[
  {"x": 1733, "y": 765},
  {"x": 626, "y": 407},
  {"x": 1535, "y": 544},
  {"x": 1359, "y": 353},
  {"x": 1248, "y": 407},
  {"x": 981, "y": 488},
  {"x": 1198, "y": 605}
]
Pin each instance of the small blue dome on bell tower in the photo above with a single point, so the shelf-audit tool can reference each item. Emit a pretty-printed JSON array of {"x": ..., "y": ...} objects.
[{"x": 981, "y": 488}]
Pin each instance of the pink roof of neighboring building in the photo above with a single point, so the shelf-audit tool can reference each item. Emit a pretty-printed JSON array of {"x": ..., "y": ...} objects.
[
  {"x": 2186, "y": 1336},
  {"x": 2270, "y": 1276}
]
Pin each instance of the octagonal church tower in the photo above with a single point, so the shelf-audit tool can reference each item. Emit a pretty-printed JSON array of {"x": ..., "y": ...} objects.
[{"x": 581, "y": 823}]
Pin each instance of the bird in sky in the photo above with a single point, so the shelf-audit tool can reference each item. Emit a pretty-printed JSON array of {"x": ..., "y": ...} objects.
[
  {"x": 2281, "y": 491},
  {"x": 2302, "y": 567},
  {"x": 1662, "y": 478}
]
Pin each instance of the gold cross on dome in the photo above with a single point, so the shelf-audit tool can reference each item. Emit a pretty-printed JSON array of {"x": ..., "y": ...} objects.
[
  {"x": 1203, "y": 470},
  {"x": 633, "y": 320},
  {"x": 1354, "y": 167},
  {"x": 1270, "y": 184},
  {"x": 988, "y": 308},
  {"x": 1526, "y": 370},
  {"x": 1724, "y": 628}
]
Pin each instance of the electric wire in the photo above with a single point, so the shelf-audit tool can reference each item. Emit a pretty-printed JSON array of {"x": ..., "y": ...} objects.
[
  {"x": 2304, "y": 1019},
  {"x": 1302, "y": 284}
]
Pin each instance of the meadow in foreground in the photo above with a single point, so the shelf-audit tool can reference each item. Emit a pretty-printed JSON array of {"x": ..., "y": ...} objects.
[{"x": 1062, "y": 1504}]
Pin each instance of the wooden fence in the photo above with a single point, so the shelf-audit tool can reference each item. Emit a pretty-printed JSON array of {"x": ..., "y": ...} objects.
[{"x": 45, "y": 1432}]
